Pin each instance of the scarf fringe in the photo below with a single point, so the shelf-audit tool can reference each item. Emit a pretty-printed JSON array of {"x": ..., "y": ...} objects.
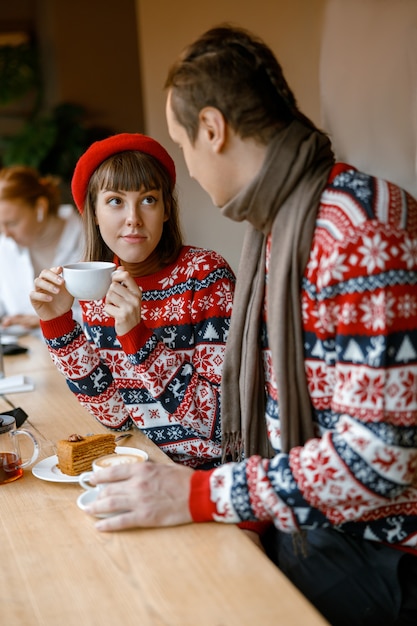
[{"x": 232, "y": 447}]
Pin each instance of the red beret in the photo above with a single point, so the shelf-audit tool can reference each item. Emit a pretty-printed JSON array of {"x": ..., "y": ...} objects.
[{"x": 99, "y": 151}]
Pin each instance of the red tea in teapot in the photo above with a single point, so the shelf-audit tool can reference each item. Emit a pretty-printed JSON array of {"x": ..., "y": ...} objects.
[
  {"x": 11, "y": 464},
  {"x": 10, "y": 467}
]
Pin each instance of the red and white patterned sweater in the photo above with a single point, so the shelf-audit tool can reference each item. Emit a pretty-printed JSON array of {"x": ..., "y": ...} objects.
[
  {"x": 164, "y": 375},
  {"x": 359, "y": 306}
]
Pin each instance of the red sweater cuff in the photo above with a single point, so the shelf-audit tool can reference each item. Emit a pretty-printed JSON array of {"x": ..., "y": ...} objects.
[
  {"x": 256, "y": 527},
  {"x": 135, "y": 338},
  {"x": 201, "y": 507},
  {"x": 58, "y": 326}
]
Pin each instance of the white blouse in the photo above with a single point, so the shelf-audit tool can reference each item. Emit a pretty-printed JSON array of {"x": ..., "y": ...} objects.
[{"x": 17, "y": 272}]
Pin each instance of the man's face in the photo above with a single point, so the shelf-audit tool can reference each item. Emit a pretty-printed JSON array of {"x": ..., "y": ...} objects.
[{"x": 201, "y": 161}]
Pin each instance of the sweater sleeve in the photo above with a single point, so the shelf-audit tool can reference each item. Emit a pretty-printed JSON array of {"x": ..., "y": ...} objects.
[
  {"x": 202, "y": 508},
  {"x": 79, "y": 361}
]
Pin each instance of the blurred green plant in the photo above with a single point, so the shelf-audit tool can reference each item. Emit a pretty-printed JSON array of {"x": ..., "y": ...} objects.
[
  {"x": 19, "y": 73},
  {"x": 52, "y": 142}
]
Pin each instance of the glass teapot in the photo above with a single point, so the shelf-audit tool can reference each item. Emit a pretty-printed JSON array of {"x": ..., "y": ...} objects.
[{"x": 11, "y": 464}]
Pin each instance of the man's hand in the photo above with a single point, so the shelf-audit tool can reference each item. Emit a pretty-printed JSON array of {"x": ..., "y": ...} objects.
[{"x": 142, "y": 495}]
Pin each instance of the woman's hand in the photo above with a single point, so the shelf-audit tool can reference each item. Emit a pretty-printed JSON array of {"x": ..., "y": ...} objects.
[
  {"x": 50, "y": 298},
  {"x": 142, "y": 495},
  {"x": 124, "y": 301}
]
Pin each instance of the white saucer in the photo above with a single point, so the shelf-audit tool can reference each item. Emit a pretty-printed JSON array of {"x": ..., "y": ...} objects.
[
  {"x": 6, "y": 340},
  {"x": 87, "y": 497},
  {"x": 47, "y": 468}
]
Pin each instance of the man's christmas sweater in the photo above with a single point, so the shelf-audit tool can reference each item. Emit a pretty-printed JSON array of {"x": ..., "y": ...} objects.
[
  {"x": 359, "y": 308},
  {"x": 164, "y": 375}
]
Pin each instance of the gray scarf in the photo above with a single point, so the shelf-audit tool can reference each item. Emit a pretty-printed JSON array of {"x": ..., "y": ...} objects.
[{"x": 283, "y": 200}]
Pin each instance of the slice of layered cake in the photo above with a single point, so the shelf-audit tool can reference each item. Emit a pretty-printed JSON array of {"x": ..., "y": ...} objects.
[{"x": 76, "y": 454}]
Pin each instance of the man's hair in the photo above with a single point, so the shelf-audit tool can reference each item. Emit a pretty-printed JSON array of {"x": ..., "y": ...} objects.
[
  {"x": 130, "y": 171},
  {"x": 236, "y": 72}
]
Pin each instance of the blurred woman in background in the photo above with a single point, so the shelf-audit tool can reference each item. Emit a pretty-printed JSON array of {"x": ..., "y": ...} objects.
[{"x": 36, "y": 232}]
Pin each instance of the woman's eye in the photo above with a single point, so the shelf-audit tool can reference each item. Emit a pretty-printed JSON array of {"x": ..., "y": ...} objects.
[
  {"x": 149, "y": 200},
  {"x": 114, "y": 201}
]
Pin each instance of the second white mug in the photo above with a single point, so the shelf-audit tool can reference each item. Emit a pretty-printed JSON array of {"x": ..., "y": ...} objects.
[{"x": 110, "y": 460}]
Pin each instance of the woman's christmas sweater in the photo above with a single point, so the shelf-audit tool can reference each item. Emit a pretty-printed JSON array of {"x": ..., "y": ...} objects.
[
  {"x": 164, "y": 375},
  {"x": 359, "y": 306}
]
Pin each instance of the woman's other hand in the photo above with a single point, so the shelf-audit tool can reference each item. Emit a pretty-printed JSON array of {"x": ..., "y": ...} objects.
[{"x": 124, "y": 301}]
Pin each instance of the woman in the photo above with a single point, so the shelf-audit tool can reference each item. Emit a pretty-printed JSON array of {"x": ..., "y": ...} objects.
[
  {"x": 35, "y": 233},
  {"x": 152, "y": 352}
]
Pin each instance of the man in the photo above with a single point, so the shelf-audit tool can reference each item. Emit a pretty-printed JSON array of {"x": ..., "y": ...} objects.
[{"x": 319, "y": 391}]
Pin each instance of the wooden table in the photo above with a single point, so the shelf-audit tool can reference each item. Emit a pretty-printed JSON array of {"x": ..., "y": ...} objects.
[{"x": 57, "y": 570}]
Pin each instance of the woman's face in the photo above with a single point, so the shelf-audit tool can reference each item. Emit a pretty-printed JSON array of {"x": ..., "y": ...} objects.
[
  {"x": 18, "y": 220},
  {"x": 131, "y": 222}
]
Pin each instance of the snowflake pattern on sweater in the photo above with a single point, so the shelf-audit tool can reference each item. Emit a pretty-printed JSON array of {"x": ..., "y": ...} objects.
[
  {"x": 164, "y": 375},
  {"x": 359, "y": 307}
]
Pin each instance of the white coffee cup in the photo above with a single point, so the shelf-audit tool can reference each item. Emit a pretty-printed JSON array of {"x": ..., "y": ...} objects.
[
  {"x": 110, "y": 460},
  {"x": 88, "y": 280}
]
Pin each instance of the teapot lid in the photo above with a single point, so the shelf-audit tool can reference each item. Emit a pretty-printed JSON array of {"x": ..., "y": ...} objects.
[{"x": 7, "y": 422}]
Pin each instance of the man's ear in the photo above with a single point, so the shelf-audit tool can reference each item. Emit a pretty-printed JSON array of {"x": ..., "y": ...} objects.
[{"x": 213, "y": 126}]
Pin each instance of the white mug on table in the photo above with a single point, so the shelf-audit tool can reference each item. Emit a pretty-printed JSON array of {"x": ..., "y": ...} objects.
[{"x": 110, "y": 460}]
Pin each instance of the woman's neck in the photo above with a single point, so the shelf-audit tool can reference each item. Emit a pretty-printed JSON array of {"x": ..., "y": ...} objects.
[
  {"x": 151, "y": 265},
  {"x": 49, "y": 232}
]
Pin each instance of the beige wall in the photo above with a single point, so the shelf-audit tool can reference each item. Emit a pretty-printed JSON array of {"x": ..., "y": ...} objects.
[
  {"x": 89, "y": 55},
  {"x": 369, "y": 86},
  {"x": 292, "y": 29}
]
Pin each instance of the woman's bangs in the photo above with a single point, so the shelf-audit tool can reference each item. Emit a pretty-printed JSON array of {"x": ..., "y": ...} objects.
[{"x": 128, "y": 172}]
